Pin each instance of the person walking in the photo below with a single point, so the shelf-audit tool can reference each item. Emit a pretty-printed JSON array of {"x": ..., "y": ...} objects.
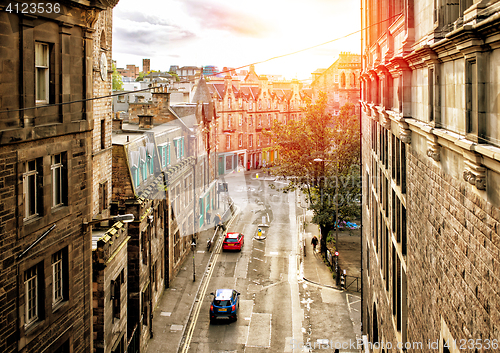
[{"x": 314, "y": 242}]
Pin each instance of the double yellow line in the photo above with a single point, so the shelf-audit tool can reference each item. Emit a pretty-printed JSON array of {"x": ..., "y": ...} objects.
[{"x": 196, "y": 312}]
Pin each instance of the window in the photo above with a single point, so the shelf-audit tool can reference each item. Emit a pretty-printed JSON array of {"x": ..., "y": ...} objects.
[
  {"x": 103, "y": 134},
  {"x": 240, "y": 120},
  {"x": 258, "y": 139},
  {"x": 229, "y": 122},
  {"x": 259, "y": 122},
  {"x": 250, "y": 120},
  {"x": 59, "y": 180},
  {"x": 250, "y": 141},
  {"x": 179, "y": 147},
  {"x": 58, "y": 281},
  {"x": 32, "y": 185},
  {"x": 32, "y": 295},
  {"x": 42, "y": 73},
  {"x": 250, "y": 105},
  {"x": 336, "y": 78},
  {"x": 115, "y": 288},
  {"x": 228, "y": 141},
  {"x": 145, "y": 300},
  {"x": 164, "y": 151},
  {"x": 240, "y": 140},
  {"x": 103, "y": 196},
  {"x": 229, "y": 102}
]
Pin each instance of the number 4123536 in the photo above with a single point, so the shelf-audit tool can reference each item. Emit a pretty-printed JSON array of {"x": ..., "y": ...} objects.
[{"x": 34, "y": 8}]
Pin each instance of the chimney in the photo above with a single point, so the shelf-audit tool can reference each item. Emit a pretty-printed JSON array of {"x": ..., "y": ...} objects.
[
  {"x": 117, "y": 123},
  {"x": 145, "y": 121}
]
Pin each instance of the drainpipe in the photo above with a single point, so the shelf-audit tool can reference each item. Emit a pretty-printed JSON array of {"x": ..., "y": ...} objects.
[
  {"x": 150, "y": 224},
  {"x": 361, "y": 160}
]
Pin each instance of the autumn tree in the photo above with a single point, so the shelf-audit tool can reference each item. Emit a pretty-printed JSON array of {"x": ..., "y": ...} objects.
[{"x": 319, "y": 154}]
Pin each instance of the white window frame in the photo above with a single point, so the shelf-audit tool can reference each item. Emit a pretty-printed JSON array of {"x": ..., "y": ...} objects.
[
  {"x": 228, "y": 142},
  {"x": 240, "y": 140},
  {"x": 57, "y": 278},
  {"x": 30, "y": 179},
  {"x": 250, "y": 140},
  {"x": 240, "y": 119},
  {"x": 57, "y": 172},
  {"x": 31, "y": 296},
  {"x": 229, "y": 121},
  {"x": 42, "y": 65}
]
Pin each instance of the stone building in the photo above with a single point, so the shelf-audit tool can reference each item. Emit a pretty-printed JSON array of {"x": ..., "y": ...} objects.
[
  {"x": 109, "y": 292},
  {"x": 246, "y": 108},
  {"x": 155, "y": 178},
  {"x": 110, "y": 241},
  {"x": 340, "y": 82},
  {"x": 46, "y": 176},
  {"x": 431, "y": 166}
]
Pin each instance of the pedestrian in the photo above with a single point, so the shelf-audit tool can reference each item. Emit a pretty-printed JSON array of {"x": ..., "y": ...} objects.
[
  {"x": 314, "y": 242},
  {"x": 208, "y": 217}
]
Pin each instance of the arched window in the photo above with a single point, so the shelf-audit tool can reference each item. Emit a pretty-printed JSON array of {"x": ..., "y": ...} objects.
[
  {"x": 103, "y": 40},
  {"x": 342, "y": 80}
]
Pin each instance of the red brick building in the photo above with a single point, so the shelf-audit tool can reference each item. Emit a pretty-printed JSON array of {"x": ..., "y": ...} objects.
[{"x": 245, "y": 109}]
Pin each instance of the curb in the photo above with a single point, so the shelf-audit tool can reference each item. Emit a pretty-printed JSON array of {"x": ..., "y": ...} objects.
[{"x": 323, "y": 285}]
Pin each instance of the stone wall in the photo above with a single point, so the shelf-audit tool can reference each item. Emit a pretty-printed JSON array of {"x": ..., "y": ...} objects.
[{"x": 457, "y": 233}]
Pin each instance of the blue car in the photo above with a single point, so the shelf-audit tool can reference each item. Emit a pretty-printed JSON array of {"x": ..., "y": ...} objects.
[{"x": 224, "y": 305}]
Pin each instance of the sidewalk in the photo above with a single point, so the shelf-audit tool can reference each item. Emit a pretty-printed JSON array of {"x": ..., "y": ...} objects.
[{"x": 314, "y": 268}]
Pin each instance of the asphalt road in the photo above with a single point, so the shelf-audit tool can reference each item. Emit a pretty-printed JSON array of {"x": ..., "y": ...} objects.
[{"x": 278, "y": 311}]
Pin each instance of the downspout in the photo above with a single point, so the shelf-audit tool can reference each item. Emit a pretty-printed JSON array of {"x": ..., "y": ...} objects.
[
  {"x": 361, "y": 160},
  {"x": 150, "y": 224}
]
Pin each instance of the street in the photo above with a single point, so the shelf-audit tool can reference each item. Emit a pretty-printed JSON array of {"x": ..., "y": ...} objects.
[{"x": 279, "y": 311}]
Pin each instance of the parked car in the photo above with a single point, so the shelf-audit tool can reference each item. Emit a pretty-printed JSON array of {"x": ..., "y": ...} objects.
[
  {"x": 233, "y": 241},
  {"x": 225, "y": 304}
]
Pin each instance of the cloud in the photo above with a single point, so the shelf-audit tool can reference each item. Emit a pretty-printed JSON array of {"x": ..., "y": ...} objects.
[{"x": 224, "y": 18}]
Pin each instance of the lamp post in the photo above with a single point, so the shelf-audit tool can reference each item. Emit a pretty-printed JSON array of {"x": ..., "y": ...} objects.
[{"x": 193, "y": 246}]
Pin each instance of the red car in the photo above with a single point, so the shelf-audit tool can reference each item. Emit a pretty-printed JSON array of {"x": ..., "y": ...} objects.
[{"x": 233, "y": 241}]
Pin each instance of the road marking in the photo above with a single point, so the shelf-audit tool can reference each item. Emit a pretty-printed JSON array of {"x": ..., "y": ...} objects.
[
  {"x": 196, "y": 312},
  {"x": 274, "y": 253},
  {"x": 259, "y": 334}
]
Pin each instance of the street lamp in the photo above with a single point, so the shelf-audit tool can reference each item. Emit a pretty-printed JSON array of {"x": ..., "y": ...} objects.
[
  {"x": 193, "y": 246},
  {"x": 125, "y": 218}
]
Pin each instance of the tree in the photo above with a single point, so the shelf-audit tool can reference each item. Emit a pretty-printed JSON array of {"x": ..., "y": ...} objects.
[
  {"x": 117, "y": 80},
  {"x": 316, "y": 154},
  {"x": 140, "y": 77}
]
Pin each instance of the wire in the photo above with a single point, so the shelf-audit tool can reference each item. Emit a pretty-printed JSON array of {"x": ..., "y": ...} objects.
[
  {"x": 77, "y": 101},
  {"x": 215, "y": 74},
  {"x": 308, "y": 48}
]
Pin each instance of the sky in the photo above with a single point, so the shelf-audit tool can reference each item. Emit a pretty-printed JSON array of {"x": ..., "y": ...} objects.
[{"x": 235, "y": 33}]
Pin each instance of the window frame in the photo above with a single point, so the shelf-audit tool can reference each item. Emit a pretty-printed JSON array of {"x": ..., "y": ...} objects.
[
  {"x": 58, "y": 294},
  {"x": 32, "y": 296},
  {"x": 60, "y": 168},
  {"x": 32, "y": 205},
  {"x": 45, "y": 68}
]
